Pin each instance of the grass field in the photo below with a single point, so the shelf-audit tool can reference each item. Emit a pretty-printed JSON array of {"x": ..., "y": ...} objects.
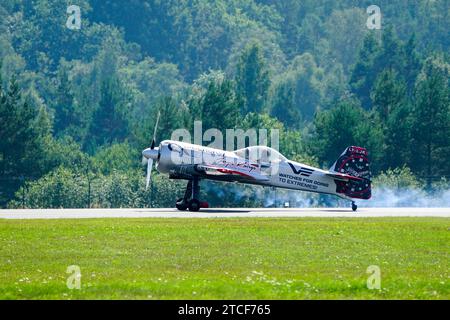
[{"x": 304, "y": 258}]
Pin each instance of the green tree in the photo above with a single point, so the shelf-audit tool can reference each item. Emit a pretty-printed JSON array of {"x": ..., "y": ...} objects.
[
  {"x": 41, "y": 37},
  {"x": 391, "y": 54},
  {"x": 218, "y": 107},
  {"x": 121, "y": 157},
  {"x": 388, "y": 93},
  {"x": 65, "y": 152},
  {"x": 252, "y": 79},
  {"x": 364, "y": 73},
  {"x": 413, "y": 64},
  {"x": 345, "y": 30},
  {"x": 347, "y": 124},
  {"x": 309, "y": 34},
  {"x": 431, "y": 119},
  {"x": 398, "y": 149},
  {"x": 390, "y": 101},
  {"x": 66, "y": 113},
  {"x": 22, "y": 141},
  {"x": 172, "y": 117},
  {"x": 400, "y": 178},
  {"x": 290, "y": 142},
  {"x": 109, "y": 123},
  {"x": 283, "y": 106},
  {"x": 61, "y": 188},
  {"x": 306, "y": 80}
]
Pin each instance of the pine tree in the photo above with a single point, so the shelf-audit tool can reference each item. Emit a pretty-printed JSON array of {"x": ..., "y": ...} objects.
[
  {"x": 431, "y": 119},
  {"x": 393, "y": 108},
  {"x": 109, "y": 123},
  {"x": 390, "y": 56},
  {"x": 220, "y": 106},
  {"x": 412, "y": 64},
  {"x": 171, "y": 117},
  {"x": 364, "y": 73},
  {"x": 22, "y": 147},
  {"x": 284, "y": 108},
  {"x": 345, "y": 125},
  {"x": 388, "y": 93},
  {"x": 398, "y": 146},
  {"x": 252, "y": 79},
  {"x": 64, "y": 105}
]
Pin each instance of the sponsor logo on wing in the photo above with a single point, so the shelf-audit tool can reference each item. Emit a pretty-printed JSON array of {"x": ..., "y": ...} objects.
[{"x": 301, "y": 171}]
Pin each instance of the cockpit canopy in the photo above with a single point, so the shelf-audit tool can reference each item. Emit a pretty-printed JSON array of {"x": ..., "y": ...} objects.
[{"x": 260, "y": 154}]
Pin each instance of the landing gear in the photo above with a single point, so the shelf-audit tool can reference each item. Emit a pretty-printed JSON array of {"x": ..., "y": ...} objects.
[
  {"x": 194, "y": 205},
  {"x": 190, "y": 200},
  {"x": 181, "y": 205},
  {"x": 354, "y": 206}
]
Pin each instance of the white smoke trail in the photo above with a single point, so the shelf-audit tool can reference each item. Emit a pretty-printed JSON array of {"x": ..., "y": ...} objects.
[
  {"x": 241, "y": 196},
  {"x": 408, "y": 197}
]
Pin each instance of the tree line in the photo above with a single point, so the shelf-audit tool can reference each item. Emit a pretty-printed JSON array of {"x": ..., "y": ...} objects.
[{"x": 77, "y": 107}]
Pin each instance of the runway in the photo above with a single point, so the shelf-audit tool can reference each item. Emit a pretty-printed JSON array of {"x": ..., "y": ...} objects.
[{"x": 224, "y": 213}]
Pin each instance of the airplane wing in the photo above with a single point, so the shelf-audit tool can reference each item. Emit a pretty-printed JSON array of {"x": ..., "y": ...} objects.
[{"x": 231, "y": 172}]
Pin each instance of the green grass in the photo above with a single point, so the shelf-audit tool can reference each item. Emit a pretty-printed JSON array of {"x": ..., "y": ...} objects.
[{"x": 306, "y": 258}]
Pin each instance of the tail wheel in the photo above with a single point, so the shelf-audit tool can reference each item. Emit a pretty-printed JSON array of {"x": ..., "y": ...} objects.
[
  {"x": 181, "y": 205},
  {"x": 354, "y": 206},
  {"x": 194, "y": 205},
  {"x": 204, "y": 205}
]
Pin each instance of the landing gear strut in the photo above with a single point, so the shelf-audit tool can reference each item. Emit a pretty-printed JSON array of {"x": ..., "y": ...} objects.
[
  {"x": 354, "y": 206},
  {"x": 190, "y": 200}
]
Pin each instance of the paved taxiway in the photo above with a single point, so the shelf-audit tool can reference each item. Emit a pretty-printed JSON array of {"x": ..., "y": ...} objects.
[{"x": 224, "y": 213}]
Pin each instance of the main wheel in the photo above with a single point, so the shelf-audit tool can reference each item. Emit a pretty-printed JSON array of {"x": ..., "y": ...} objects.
[
  {"x": 181, "y": 205},
  {"x": 354, "y": 206},
  {"x": 194, "y": 205}
]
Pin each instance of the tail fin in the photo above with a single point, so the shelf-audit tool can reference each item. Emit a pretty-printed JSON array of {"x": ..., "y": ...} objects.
[{"x": 354, "y": 161}]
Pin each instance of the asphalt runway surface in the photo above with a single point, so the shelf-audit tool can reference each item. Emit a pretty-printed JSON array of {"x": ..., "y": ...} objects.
[{"x": 224, "y": 213}]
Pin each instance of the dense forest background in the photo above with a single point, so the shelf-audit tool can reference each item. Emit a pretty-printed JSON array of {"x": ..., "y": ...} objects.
[{"x": 78, "y": 106}]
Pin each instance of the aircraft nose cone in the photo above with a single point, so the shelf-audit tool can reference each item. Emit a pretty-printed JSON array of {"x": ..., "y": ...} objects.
[{"x": 151, "y": 153}]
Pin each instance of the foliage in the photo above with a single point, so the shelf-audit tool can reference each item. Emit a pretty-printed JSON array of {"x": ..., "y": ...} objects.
[
  {"x": 431, "y": 118},
  {"x": 109, "y": 123},
  {"x": 24, "y": 138},
  {"x": 118, "y": 157},
  {"x": 347, "y": 124},
  {"x": 218, "y": 107},
  {"x": 398, "y": 178},
  {"x": 119, "y": 188},
  {"x": 62, "y": 188},
  {"x": 252, "y": 79},
  {"x": 83, "y": 103}
]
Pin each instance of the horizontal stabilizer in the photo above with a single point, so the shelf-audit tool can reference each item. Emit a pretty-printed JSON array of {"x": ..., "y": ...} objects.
[{"x": 343, "y": 176}]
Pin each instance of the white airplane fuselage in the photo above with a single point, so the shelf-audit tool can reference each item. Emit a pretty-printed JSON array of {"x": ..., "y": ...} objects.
[{"x": 182, "y": 160}]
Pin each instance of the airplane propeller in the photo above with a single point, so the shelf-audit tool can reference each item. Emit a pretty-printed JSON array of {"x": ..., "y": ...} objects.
[
  {"x": 151, "y": 154},
  {"x": 149, "y": 173},
  {"x": 154, "y": 131}
]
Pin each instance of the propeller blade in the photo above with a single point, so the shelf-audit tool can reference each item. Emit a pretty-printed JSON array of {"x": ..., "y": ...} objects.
[
  {"x": 154, "y": 131},
  {"x": 144, "y": 161},
  {"x": 149, "y": 173},
  {"x": 150, "y": 160}
]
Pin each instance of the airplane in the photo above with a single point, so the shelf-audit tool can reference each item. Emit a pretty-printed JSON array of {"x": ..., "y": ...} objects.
[{"x": 349, "y": 177}]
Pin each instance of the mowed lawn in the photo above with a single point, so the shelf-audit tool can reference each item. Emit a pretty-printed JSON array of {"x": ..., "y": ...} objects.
[{"x": 306, "y": 258}]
